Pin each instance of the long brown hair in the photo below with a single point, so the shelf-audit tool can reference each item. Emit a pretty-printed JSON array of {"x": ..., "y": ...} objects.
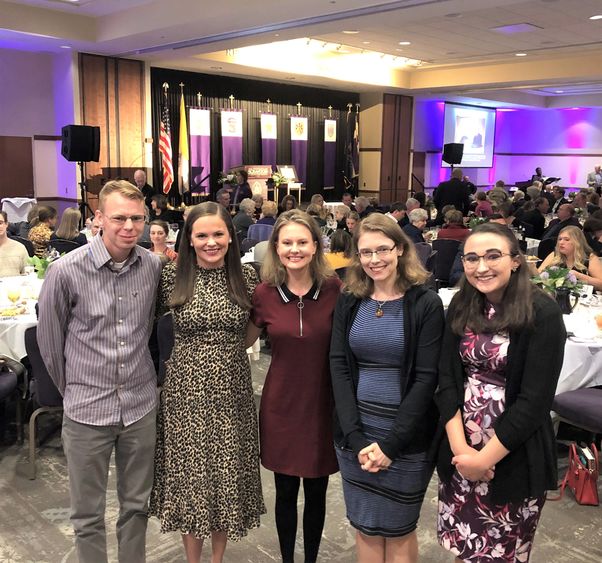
[
  {"x": 515, "y": 310},
  {"x": 186, "y": 269},
  {"x": 409, "y": 268},
  {"x": 272, "y": 270},
  {"x": 69, "y": 222}
]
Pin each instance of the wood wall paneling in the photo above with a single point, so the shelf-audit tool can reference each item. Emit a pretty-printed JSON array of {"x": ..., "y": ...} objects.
[
  {"x": 16, "y": 163},
  {"x": 113, "y": 99}
]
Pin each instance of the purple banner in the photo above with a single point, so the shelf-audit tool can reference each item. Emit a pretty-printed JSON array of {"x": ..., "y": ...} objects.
[
  {"x": 231, "y": 139},
  {"x": 268, "y": 138},
  {"x": 330, "y": 152},
  {"x": 200, "y": 150},
  {"x": 299, "y": 146}
]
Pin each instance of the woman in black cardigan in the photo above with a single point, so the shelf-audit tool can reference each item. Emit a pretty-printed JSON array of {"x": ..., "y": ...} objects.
[
  {"x": 383, "y": 360},
  {"x": 500, "y": 361}
]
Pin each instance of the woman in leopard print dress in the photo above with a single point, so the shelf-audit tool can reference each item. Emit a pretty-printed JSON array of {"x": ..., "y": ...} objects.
[{"x": 207, "y": 480}]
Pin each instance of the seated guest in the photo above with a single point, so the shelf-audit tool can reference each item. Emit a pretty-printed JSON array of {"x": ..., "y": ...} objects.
[
  {"x": 13, "y": 254},
  {"x": 352, "y": 222},
  {"x": 362, "y": 206},
  {"x": 483, "y": 208},
  {"x": 533, "y": 192},
  {"x": 258, "y": 199},
  {"x": 341, "y": 212},
  {"x": 288, "y": 202},
  {"x": 536, "y": 218},
  {"x": 159, "y": 231},
  {"x": 41, "y": 229},
  {"x": 347, "y": 199},
  {"x": 411, "y": 204},
  {"x": 506, "y": 212},
  {"x": 518, "y": 200},
  {"x": 94, "y": 228},
  {"x": 592, "y": 229},
  {"x": 244, "y": 218},
  {"x": 21, "y": 228},
  {"x": 159, "y": 209},
  {"x": 437, "y": 221},
  {"x": 559, "y": 199},
  {"x": 341, "y": 250},
  {"x": 498, "y": 194},
  {"x": 314, "y": 210},
  {"x": 397, "y": 212},
  {"x": 566, "y": 218},
  {"x": 593, "y": 202},
  {"x": 69, "y": 227},
  {"x": 417, "y": 223},
  {"x": 454, "y": 228},
  {"x": 573, "y": 252},
  {"x": 269, "y": 210},
  {"x": 222, "y": 197},
  {"x": 318, "y": 199}
]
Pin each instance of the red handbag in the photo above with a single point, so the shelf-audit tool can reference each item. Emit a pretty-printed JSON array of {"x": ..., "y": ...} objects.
[{"x": 582, "y": 475}]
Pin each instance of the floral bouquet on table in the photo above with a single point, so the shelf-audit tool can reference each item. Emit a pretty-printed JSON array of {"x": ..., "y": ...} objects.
[
  {"x": 554, "y": 278},
  {"x": 227, "y": 178},
  {"x": 40, "y": 265},
  {"x": 475, "y": 221},
  {"x": 278, "y": 179}
]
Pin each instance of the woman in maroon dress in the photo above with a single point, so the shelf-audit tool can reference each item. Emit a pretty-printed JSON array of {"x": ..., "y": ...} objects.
[{"x": 295, "y": 304}]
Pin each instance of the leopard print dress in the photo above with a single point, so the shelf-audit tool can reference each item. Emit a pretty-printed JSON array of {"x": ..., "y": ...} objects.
[{"x": 207, "y": 456}]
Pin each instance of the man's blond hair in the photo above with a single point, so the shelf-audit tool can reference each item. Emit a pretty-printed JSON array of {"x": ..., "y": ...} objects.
[{"x": 122, "y": 187}]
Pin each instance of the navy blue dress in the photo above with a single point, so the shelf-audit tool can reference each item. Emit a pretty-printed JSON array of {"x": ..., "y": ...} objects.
[{"x": 386, "y": 503}]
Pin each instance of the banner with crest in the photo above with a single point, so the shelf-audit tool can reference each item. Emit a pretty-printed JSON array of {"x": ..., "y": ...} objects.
[
  {"x": 299, "y": 146},
  {"x": 269, "y": 136},
  {"x": 231, "y": 139},
  {"x": 330, "y": 152}
]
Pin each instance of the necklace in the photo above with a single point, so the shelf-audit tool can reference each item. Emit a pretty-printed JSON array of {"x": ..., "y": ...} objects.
[{"x": 379, "y": 308}]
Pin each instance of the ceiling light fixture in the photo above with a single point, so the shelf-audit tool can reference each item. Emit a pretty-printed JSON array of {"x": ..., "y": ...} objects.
[
  {"x": 350, "y": 31},
  {"x": 404, "y": 43},
  {"x": 597, "y": 17},
  {"x": 520, "y": 54},
  {"x": 65, "y": 47},
  {"x": 560, "y": 91},
  {"x": 365, "y": 42}
]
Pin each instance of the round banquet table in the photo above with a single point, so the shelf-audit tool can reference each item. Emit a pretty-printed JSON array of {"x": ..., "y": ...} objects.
[{"x": 12, "y": 329}]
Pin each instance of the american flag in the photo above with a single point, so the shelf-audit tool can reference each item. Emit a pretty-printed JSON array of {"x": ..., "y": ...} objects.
[{"x": 165, "y": 150}]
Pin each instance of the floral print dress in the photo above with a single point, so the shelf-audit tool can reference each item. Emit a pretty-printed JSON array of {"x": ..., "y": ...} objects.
[{"x": 469, "y": 524}]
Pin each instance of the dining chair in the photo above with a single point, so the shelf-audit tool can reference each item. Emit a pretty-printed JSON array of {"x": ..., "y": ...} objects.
[
  {"x": 581, "y": 408},
  {"x": 446, "y": 254},
  {"x": 63, "y": 246},
  {"x": 260, "y": 231},
  {"x": 44, "y": 394}
]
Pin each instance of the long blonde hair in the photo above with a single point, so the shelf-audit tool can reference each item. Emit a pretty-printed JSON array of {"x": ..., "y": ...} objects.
[
  {"x": 68, "y": 229},
  {"x": 581, "y": 250},
  {"x": 409, "y": 268},
  {"x": 272, "y": 270}
]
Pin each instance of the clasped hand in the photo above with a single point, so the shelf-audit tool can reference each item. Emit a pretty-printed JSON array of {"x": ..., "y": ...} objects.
[
  {"x": 372, "y": 459},
  {"x": 468, "y": 464}
]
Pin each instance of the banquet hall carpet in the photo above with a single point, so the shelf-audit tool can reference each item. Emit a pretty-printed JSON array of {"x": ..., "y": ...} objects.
[{"x": 34, "y": 518}]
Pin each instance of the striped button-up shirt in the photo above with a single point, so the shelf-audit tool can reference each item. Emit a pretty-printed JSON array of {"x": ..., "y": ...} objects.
[{"x": 95, "y": 322}]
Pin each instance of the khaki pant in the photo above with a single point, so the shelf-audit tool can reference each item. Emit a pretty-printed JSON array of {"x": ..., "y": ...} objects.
[{"x": 88, "y": 450}]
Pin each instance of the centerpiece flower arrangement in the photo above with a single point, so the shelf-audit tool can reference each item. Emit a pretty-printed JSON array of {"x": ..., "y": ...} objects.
[
  {"x": 475, "y": 221},
  {"x": 227, "y": 178},
  {"x": 560, "y": 283},
  {"x": 40, "y": 265},
  {"x": 278, "y": 179}
]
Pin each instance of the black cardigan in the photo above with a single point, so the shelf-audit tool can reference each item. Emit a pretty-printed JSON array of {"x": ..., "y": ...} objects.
[
  {"x": 525, "y": 428},
  {"x": 417, "y": 416}
]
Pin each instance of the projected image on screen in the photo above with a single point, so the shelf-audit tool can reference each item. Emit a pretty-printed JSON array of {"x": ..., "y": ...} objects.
[{"x": 474, "y": 127}]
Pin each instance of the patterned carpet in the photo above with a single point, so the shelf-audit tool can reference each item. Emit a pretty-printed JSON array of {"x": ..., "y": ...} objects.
[{"x": 35, "y": 528}]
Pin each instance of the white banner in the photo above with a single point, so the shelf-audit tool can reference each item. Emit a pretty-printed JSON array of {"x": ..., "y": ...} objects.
[
  {"x": 231, "y": 123},
  {"x": 330, "y": 131},
  {"x": 298, "y": 128},
  {"x": 200, "y": 122},
  {"x": 269, "y": 129}
]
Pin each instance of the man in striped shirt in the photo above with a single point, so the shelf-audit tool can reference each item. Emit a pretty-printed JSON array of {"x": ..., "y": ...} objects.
[{"x": 96, "y": 315}]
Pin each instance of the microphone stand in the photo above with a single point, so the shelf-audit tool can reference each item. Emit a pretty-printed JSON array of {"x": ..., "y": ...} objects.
[{"x": 83, "y": 194}]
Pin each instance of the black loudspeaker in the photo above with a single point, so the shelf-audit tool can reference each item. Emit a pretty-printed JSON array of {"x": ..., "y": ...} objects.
[
  {"x": 80, "y": 143},
  {"x": 453, "y": 153}
]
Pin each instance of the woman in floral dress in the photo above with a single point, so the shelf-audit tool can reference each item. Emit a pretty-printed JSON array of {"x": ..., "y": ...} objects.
[{"x": 501, "y": 358}]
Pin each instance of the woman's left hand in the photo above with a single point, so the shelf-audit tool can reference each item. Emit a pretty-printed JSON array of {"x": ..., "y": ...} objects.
[
  {"x": 470, "y": 467},
  {"x": 372, "y": 458}
]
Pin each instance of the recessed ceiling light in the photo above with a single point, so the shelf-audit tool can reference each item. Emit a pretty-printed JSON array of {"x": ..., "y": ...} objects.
[
  {"x": 276, "y": 34},
  {"x": 65, "y": 47},
  {"x": 520, "y": 54},
  {"x": 404, "y": 43},
  {"x": 365, "y": 42},
  {"x": 598, "y": 17},
  {"x": 350, "y": 31},
  {"x": 559, "y": 91}
]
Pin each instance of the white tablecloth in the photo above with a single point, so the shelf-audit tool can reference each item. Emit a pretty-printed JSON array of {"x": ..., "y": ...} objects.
[{"x": 12, "y": 329}]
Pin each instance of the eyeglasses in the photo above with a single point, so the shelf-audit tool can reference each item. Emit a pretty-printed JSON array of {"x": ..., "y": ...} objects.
[
  {"x": 492, "y": 258},
  {"x": 2, "y": 222},
  {"x": 366, "y": 254},
  {"x": 122, "y": 219}
]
